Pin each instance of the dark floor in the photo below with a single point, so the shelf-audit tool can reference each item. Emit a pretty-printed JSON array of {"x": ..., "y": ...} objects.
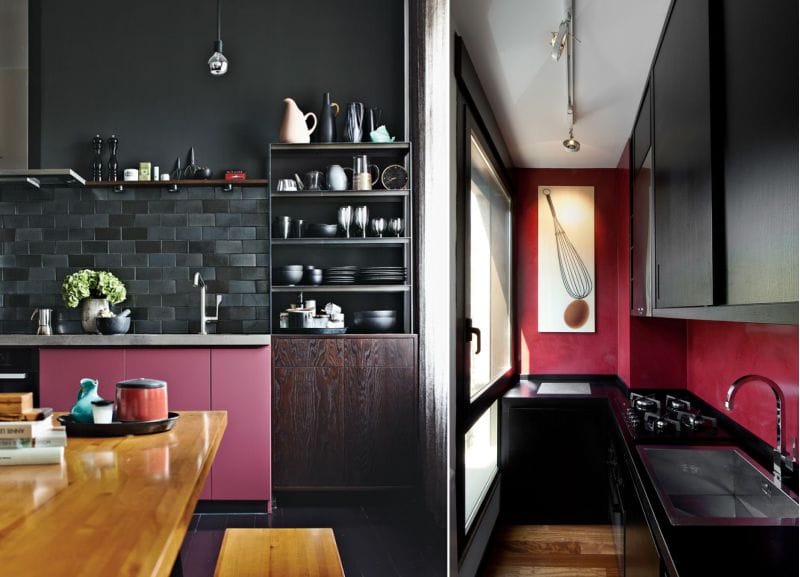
[{"x": 374, "y": 540}]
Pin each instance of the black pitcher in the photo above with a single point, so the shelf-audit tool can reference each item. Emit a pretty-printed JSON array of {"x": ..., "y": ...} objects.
[{"x": 327, "y": 119}]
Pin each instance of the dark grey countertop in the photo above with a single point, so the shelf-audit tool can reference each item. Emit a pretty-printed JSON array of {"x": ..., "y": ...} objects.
[{"x": 145, "y": 340}]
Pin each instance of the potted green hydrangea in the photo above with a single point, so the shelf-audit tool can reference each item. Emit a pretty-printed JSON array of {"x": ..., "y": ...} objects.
[{"x": 94, "y": 291}]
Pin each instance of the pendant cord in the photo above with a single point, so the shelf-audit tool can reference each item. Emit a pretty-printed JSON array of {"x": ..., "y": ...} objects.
[{"x": 219, "y": 20}]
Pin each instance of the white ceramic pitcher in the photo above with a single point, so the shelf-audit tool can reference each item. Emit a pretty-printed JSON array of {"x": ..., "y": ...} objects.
[{"x": 294, "y": 128}]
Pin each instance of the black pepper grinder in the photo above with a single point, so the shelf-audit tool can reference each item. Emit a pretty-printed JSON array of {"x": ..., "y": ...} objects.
[
  {"x": 113, "y": 165},
  {"x": 96, "y": 173}
]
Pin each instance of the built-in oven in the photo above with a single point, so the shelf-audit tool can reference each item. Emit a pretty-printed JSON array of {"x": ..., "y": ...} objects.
[{"x": 19, "y": 371}]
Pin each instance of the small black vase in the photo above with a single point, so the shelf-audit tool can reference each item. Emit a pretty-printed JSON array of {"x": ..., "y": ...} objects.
[{"x": 327, "y": 119}]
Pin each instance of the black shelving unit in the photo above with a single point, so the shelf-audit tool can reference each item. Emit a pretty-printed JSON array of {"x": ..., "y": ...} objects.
[{"x": 286, "y": 160}]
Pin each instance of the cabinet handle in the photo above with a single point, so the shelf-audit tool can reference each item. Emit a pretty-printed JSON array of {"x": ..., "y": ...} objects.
[
  {"x": 13, "y": 376},
  {"x": 658, "y": 282}
]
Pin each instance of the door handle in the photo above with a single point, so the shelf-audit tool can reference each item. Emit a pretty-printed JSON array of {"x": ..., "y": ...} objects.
[{"x": 474, "y": 331}]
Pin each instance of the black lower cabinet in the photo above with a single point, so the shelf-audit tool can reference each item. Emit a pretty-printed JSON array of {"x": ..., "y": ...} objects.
[
  {"x": 636, "y": 549},
  {"x": 553, "y": 462}
]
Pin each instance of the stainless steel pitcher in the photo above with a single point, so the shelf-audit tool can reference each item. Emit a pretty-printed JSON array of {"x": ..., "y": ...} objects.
[{"x": 45, "y": 316}]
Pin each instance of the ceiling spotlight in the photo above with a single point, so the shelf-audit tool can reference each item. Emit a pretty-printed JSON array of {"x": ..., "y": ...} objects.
[
  {"x": 558, "y": 41},
  {"x": 218, "y": 64},
  {"x": 570, "y": 143}
]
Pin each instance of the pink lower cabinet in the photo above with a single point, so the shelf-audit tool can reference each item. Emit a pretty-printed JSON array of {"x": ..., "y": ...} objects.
[
  {"x": 188, "y": 376},
  {"x": 240, "y": 384},
  {"x": 61, "y": 371}
]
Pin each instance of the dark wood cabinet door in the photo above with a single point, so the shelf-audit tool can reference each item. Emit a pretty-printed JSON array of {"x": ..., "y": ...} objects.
[
  {"x": 553, "y": 464},
  {"x": 379, "y": 426},
  {"x": 344, "y": 412},
  {"x": 642, "y": 130},
  {"x": 760, "y": 152},
  {"x": 684, "y": 205},
  {"x": 307, "y": 446}
]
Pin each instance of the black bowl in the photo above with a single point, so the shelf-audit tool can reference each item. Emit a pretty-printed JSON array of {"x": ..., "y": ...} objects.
[
  {"x": 284, "y": 276},
  {"x": 313, "y": 277},
  {"x": 374, "y": 324},
  {"x": 113, "y": 325},
  {"x": 321, "y": 230},
  {"x": 372, "y": 314}
]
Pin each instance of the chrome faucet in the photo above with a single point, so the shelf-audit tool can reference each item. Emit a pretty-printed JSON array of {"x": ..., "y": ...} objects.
[
  {"x": 204, "y": 318},
  {"x": 778, "y": 458}
]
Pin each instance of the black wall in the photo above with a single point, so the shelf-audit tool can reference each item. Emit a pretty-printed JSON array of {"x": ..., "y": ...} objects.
[
  {"x": 151, "y": 239},
  {"x": 138, "y": 70}
]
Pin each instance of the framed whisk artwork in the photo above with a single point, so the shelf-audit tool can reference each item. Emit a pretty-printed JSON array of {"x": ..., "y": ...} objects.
[{"x": 566, "y": 259}]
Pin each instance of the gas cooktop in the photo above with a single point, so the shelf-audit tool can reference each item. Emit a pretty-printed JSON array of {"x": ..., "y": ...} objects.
[{"x": 668, "y": 416}]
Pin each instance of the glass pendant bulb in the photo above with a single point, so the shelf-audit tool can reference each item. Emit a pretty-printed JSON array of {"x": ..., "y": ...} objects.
[{"x": 218, "y": 64}]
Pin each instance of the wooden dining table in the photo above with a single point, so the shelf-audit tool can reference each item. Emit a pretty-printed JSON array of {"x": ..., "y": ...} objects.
[{"x": 116, "y": 506}]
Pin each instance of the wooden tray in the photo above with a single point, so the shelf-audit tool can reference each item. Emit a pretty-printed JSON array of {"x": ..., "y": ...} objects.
[{"x": 117, "y": 428}]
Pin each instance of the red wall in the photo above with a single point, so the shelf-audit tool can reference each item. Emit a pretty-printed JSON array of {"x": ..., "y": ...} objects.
[
  {"x": 718, "y": 353},
  {"x": 591, "y": 353},
  {"x": 704, "y": 357}
]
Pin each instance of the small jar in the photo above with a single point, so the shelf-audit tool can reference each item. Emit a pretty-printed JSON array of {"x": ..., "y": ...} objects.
[
  {"x": 142, "y": 400},
  {"x": 102, "y": 411}
]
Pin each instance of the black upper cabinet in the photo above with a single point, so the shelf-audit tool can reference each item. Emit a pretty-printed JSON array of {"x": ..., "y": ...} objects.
[
  {"x": 759, "y": 140},
  {"x": 642, "y": 212},
  {"x": 642, "y": 130},
  {"x": 683, "y": 194}
]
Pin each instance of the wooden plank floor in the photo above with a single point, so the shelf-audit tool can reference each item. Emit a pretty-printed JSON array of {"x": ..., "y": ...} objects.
[{"x": 551, "y": 551}]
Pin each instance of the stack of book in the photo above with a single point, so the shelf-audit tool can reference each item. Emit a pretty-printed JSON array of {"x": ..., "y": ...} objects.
[{"x": 27, "y": 434}]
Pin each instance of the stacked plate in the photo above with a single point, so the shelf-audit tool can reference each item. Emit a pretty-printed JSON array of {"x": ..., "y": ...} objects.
[
  {"x": 340, "y": 275},
  {"x": 382, "y": 275}
]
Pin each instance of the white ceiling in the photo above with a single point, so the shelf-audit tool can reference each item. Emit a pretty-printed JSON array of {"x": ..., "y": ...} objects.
[{"x": 508, "y": 41}]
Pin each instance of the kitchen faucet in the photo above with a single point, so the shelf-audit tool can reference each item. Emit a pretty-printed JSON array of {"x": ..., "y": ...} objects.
[
  {"x": 204, "y": 318},
  {"x": 778, "y": 458}
]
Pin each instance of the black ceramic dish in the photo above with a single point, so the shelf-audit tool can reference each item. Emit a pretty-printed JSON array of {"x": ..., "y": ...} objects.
[
  {"x": 287, "y": 275},
  {"x": 117, "y": 428},
  {"x": 113, "y": 325},
  {"x": 374, "y": 321},
  {"x": 313, "y": 331},
  {"x": 318, "y": 230}
]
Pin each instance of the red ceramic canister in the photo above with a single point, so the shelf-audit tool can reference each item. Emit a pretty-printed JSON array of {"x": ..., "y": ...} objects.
[{"x": 142, "y": 400}]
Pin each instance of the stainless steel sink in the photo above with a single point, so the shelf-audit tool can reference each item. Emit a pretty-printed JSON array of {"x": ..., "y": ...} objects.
[{"x": 716, "y": 486}]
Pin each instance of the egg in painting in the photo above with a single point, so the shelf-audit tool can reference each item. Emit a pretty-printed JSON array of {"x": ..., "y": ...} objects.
[{"x": 576, "y": 314}]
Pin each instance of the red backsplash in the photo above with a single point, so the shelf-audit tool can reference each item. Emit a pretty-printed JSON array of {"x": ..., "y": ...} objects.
[
  {"x": 718, "y": 353},
  {"x": 591, "y": 353}
]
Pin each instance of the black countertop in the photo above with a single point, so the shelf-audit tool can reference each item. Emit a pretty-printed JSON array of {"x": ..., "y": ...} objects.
[{"x": 687, "y": 551}]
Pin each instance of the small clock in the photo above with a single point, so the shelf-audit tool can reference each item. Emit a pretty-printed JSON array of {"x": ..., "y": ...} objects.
[{"x": 394, "y": 177}]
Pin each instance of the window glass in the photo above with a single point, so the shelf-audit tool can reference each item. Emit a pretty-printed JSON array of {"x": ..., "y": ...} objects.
[
  {"x": 490, "y": 272},
  {"x": 480, "y": 462}
]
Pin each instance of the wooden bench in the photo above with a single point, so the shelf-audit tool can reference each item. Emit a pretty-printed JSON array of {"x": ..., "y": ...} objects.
[{"x": 279, "y": 553}]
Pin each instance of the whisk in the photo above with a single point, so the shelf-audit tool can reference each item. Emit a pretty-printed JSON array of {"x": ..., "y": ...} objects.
[{"x": 574, "y": 274}]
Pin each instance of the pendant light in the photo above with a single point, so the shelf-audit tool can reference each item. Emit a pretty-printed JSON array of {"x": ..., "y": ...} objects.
[
  {"x": 218, "y": 64},
  {"x": 570, "y": 143}
]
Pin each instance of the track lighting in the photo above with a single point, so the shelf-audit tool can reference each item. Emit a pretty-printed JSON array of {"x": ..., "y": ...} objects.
[{"x": 558, "y": 42}]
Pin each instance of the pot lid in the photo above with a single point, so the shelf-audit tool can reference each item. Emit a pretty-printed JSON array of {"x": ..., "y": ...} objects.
[{"x": 141, "y": 383}]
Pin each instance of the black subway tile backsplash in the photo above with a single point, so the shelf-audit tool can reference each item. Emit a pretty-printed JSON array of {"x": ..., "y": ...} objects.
[{"x": 151, "y": 239}]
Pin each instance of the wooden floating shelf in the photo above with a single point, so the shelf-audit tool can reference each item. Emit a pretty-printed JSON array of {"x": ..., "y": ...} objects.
[
  {"x": 339, "y": 241},
  {"x": 342, "y": 288},
  {"x": 340, "y": 193}
]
